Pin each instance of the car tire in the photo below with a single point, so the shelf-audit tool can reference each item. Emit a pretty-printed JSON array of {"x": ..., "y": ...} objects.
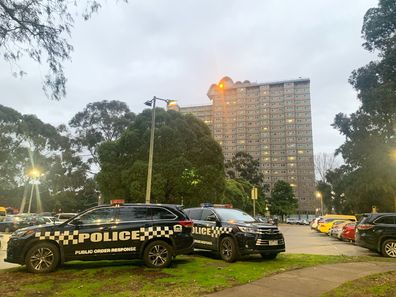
[
  {"x": 42, "y": 258},
  {"x": 228, "y": 249},
  {"x": 158, "y": 254},
  {"x": 388, "y": 248},
  {"x": 269, "y": 256}
]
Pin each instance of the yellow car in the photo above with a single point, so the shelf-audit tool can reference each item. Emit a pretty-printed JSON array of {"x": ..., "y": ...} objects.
[{"x": 325, "y": 225}]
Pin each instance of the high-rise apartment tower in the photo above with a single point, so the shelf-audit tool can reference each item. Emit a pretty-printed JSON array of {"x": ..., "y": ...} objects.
[{"x": 270, "y": 121}]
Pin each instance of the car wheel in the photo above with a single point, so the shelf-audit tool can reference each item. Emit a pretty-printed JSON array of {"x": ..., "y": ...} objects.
[
  {"x": 389, "y": 248},
  {"x": 42, "y": 258},
  {"x": 158, "y": 254},
  {"x": 269, "y": 256},
  {"x": 228, "y": 249}
]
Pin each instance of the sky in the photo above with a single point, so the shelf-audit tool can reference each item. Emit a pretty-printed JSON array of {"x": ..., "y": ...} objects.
[{"x": 177, "y": 49}]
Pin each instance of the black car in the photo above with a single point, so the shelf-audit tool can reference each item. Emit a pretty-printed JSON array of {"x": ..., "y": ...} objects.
[
  {"x": 153, "y": 232},
  {"x": 233, "y": 233},
  {"x": 377, "y": 232},
  {"x": 13, "y": 223}
]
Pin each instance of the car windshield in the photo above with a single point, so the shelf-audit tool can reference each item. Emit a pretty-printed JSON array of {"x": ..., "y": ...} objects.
[{"x": 233, "y": 215}]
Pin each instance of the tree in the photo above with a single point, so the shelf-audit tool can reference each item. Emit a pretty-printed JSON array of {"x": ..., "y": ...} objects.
[
  {"x": 188, "y": 163},
  {"x": 25, "y": 143},
  {"x": 369, "y": 132},
  {"x": 41, "y": 30},
  {"x": 238, "y": 193},
  {"x": 100, "y": 122},
  {"x": 323, "y": 163},
  {"x": 242, "y": 165},
  {"x": 282, "y": 200}
]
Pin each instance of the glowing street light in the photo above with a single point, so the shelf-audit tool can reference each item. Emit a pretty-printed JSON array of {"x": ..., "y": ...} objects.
[
  {"x": 34, "y": 174},
  {"x": 151, "y": 103}
]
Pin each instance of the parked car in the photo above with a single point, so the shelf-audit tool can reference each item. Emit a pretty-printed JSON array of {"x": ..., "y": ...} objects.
[
  {"x": 336, "y": 229},
  {"x": 291, "y": 221},
  {"x": 233, "y": 233},
  {"x": 153, "y": 232},
  {"x": 348, "y": 232},
  {"x": 12, "y": 223},
  {"x": 377, "y": 232},
  {"x": 315, "y": 222},
  {"x": 3, "y": 213},
  {"x": 326, "y": 225},
  {"x": 64, "y": 216}
]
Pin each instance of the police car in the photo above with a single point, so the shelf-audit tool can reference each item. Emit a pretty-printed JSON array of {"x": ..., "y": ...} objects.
[
  {"x": 153, "y": 232},
  {"x": 233, "y": 233}
]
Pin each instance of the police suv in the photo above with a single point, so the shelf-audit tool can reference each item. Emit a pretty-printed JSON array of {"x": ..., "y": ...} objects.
[
  {"x": 153, "y": 232},
  {"x": 233, "y": 233}
]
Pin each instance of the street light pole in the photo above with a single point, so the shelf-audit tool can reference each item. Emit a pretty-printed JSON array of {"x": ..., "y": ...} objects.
[
  {"x": 151, "y": 149},
  {"x": 151, "y": 152}
]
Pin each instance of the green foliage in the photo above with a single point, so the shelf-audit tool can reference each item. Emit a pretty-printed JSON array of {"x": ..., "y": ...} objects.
[
  {"x": 244, "y": 172},
  {"x": 282, "y": 200},
  {"x": 100, "y": 122},
  {"x": 27, "y": 142},
  {"x": 41, "y": 31},
  {"x": 187, "y": 164},
  {"x": 370, "y": 144},
  {"x": 242, "y": 165}
]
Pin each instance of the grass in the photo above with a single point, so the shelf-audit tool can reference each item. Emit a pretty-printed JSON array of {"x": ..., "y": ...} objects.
[
  {"x": 375, "y": 285},
  {"x": 188, "y": 276}
]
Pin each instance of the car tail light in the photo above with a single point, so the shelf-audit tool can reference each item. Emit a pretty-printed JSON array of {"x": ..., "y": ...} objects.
[
  {"x": 186, "y": 223},
  {"x": 364, "y": 226}
]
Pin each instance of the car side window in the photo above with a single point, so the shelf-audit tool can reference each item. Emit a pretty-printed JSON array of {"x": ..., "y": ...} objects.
[
  {"x": 162, "y": 214},
  {"x": 98, "y": 216},
  {"x": 208, "y": 215},
  {"x": 195, "y": 214},
  {"x": 386, "y": 220},
  {"x": 132, "y": 214}
]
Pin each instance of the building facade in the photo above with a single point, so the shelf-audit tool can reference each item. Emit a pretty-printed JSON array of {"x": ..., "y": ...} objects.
[{"x": 270, "y": 121}]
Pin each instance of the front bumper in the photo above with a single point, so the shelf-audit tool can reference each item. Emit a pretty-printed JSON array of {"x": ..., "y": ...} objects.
[
  {"x": 15, "y": 251},
  {"x": 268, "y": 244}
]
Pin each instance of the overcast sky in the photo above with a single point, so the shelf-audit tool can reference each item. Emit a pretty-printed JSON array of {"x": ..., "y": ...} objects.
[{"x": 177, "y": 49}]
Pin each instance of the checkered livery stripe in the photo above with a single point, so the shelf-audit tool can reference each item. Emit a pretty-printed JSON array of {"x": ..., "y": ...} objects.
[
  {"x": 65, "y": 237},
  {"x": 151, "y": 232},
  {"x": 75, "y": 237},
  {"x": 217, "y": 231}
]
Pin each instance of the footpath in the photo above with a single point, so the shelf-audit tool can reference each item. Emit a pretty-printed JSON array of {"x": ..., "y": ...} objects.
[{"x": 306, "y": 282}]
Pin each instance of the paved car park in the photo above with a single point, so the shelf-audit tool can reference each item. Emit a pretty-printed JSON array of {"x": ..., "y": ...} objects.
[{"x": 304, "y": 240}]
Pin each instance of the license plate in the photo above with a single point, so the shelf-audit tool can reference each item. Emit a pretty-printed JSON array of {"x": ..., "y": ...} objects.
[{"x": 272, "y": 242}]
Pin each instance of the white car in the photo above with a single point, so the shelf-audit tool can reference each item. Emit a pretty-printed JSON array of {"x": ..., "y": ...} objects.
[{"x": 63, "y": 217}]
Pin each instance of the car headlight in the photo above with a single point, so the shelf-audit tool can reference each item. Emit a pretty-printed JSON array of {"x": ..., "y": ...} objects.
[
  {"x": 22, "y": 233},
  {"x": 248, "y": 230}
]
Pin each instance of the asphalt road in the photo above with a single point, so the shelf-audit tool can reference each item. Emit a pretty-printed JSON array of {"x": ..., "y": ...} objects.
[
  {"x": 303, "y": 240},
  {"x": 299, "y": 240}
]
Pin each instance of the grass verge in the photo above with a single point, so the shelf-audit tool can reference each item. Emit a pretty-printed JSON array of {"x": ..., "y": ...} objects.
[
  {"x": 375, "y": 285},
  {"x": 188, "y": 276}
]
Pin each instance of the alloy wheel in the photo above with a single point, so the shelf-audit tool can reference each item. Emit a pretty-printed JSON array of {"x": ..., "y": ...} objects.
[{"x": 42, "y": 259}]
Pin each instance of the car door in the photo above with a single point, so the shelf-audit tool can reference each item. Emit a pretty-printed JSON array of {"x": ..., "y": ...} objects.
[
  {"x": 131, "y": 222},
  {"x": 205, "y": 227},
  {"x": 89, "y": 235}
]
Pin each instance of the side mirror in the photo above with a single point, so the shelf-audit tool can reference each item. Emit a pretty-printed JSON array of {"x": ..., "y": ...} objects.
[{"x": 211, "y": 218}]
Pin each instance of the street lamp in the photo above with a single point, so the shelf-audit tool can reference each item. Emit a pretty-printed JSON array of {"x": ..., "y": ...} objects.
[
  {"x": 151, "y": 150},
  {"x": 34, "y": 173}
]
